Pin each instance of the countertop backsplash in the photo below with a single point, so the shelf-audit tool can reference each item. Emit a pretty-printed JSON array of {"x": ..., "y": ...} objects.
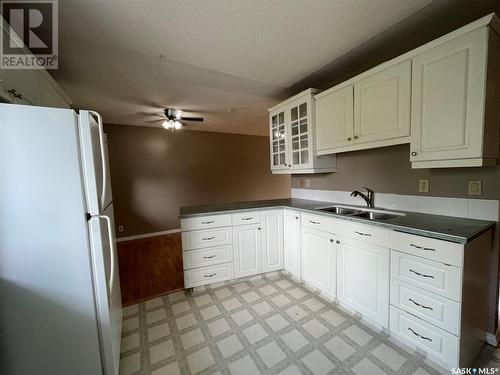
[{"x": 479, "y": 209}]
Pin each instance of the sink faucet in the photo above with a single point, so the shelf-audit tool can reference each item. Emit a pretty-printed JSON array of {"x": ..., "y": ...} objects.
[{"x": 368, "y": 197}]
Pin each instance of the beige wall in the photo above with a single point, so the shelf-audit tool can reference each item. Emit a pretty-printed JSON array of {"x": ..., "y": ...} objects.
[
  {"x": 154, "y": 172},
  {"x": 388, "y": 170}
]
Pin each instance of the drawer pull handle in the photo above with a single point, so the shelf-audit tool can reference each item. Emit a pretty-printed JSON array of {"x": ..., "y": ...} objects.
[
  {"x": 420, "y": 305},
  {"x": 212, "y": 275},
  {"x": 419, "y": 335},
  {"x": 363, "y": 234},
  {"x": 209, "y": 257},
  {"x": 422, "y": 248},
  {"x": 314, "y": 222},
  {"x": 208, "y": 238},
  {"x": 246, "y": 218},
  {"x": 421, "y": 274},
  {"x": 207, "y": 222}
]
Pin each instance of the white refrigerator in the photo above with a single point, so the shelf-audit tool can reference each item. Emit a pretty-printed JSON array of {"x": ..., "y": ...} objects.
[{"x": 60, "y": 304}]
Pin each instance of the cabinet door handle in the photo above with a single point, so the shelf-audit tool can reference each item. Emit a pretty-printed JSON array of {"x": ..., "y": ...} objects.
[
  {"x": 314, "y": 222},
  {"x": 422, "y": 248},
  {"x": 212, "y": 275},
  {"x": 207, "y": 222},
  {"x": 209, "y": 257},
  {"x": 296, "y": 218},
  {"x": 349, "y": 139},
  {"x": 421, "y": 274},
  {"x": 363, "y": 234},
  {"x": 356, "y": 137},
  {"x": 208, "y": 238},
  {"x": 246, "y": 218},
  {"x": 413, "y": 153},
  {"x": 419, "y": 335},
  {"x": 331, "y": 239},
  {"x": 420, "y": 305}
]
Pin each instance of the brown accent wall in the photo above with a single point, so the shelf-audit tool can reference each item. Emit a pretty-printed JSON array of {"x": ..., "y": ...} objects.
[
  {"x": 154, "y": 172},
  {"x": 388, "y": 170}
]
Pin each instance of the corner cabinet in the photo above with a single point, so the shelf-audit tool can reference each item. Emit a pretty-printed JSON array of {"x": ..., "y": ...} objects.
[
  {"x": 292, "y": 137},
  {"x": 291, "y": 239}
]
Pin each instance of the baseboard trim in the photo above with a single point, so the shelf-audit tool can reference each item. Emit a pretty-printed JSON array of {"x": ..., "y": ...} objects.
[
  {"x": 492, "y": 339},
  {"x": 147, "y": 235}
]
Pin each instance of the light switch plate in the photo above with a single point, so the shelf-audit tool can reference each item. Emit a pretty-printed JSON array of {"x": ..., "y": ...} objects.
[
  {"x": 308, "y": 183},
  {"x": 423, "y": 186},
  {"x": 474, "y": 187},
  {"x": 120, "y": 228}
]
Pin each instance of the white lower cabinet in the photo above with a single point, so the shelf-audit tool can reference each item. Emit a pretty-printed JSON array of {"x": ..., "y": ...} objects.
[
  {"x": 429, "y": 293},
  {"x": 291, "y": 242},
  {"x": 208, "y": 275},
  {"x": 318, "y": 255},
  {"x": 247, "y": 245},
  {"x": 363, "y": 279},
  {"x": 417, "y": 333},
  {"x": 272, "y": 240}
]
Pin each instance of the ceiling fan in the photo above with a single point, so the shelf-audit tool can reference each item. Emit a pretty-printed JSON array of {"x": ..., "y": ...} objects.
[{"x": 175, "y": 120}]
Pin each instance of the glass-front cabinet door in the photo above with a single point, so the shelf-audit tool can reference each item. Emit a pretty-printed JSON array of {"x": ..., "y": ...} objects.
[
  {"x": 278, "y": 140},
  {"x": 300, "y": 122}
]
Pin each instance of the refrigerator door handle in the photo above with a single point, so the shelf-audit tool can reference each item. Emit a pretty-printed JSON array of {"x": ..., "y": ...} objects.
[
  {"x": 103, "y": 154},
  {"x": 112, "y": 250}
]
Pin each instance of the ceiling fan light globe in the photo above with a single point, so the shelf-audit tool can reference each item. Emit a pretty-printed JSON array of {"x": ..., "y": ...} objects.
[
  {"x": 165, "y": 124},
  {"x": 177, "y": 125},
  {"x": 178, "y": 114}
]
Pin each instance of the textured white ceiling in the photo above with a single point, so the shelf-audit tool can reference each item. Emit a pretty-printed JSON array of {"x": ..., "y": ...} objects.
[{"x": 225, "y": 60}]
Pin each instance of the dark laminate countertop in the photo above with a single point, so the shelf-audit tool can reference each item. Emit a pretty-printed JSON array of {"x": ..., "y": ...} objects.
[{"x": 447, "y": 228}]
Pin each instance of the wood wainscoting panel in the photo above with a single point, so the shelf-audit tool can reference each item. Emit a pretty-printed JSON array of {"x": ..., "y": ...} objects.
[{"x": 150, "y": 267}]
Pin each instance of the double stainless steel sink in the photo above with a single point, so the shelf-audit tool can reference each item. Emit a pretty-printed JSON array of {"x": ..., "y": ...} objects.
[{"x": 359, "y": 212}]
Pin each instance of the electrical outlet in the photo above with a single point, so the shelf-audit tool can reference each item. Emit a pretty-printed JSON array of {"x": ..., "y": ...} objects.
[
  {"x": 474, "y": 187},
  {"x": 308, "y": 183},
  {"x": 121, "y": 228},
  {"x": 423, "y": 186}
]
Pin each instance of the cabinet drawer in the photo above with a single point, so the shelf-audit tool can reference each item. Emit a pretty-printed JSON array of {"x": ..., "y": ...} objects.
[
  {"x": 442, "y": 312},
  {"x": 207, "y": 257},
  {"x": 204, "y": 222},
  {"x": 206, "y": 238},
  {"x": 321, "y": 223},
  {"x": 415, "y": 332},
  {"x": 366, "y": 233},
  {"x": 429, "y": 275},
  {"x": 248, "y": 217},
  {"x": 208, "y": 275},
  {"x": 438, "y": 250}
]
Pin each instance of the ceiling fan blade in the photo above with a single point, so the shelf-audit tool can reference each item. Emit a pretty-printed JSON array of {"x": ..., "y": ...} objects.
[{"x": 199, "y": 119}]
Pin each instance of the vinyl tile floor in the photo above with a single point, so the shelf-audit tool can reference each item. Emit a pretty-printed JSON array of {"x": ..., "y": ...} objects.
[{"x": 268, "y": 324}]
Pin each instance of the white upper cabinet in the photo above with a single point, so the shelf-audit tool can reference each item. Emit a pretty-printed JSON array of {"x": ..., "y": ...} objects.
[
  {"x": 335, "y": 120},
  {"x": 441, "y": 97},
  {"x": 292, "y": 137},
  {"x": 450, "y": 124},
  {"x": 278, "y": 136},
  {"x": 382, "y": 106},
  {"x": 29, "y": 86},
  {"x": 371, "y": 111}
]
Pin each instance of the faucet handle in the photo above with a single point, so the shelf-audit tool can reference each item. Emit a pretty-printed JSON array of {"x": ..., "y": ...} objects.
[{"x": 368, "y": 189}]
